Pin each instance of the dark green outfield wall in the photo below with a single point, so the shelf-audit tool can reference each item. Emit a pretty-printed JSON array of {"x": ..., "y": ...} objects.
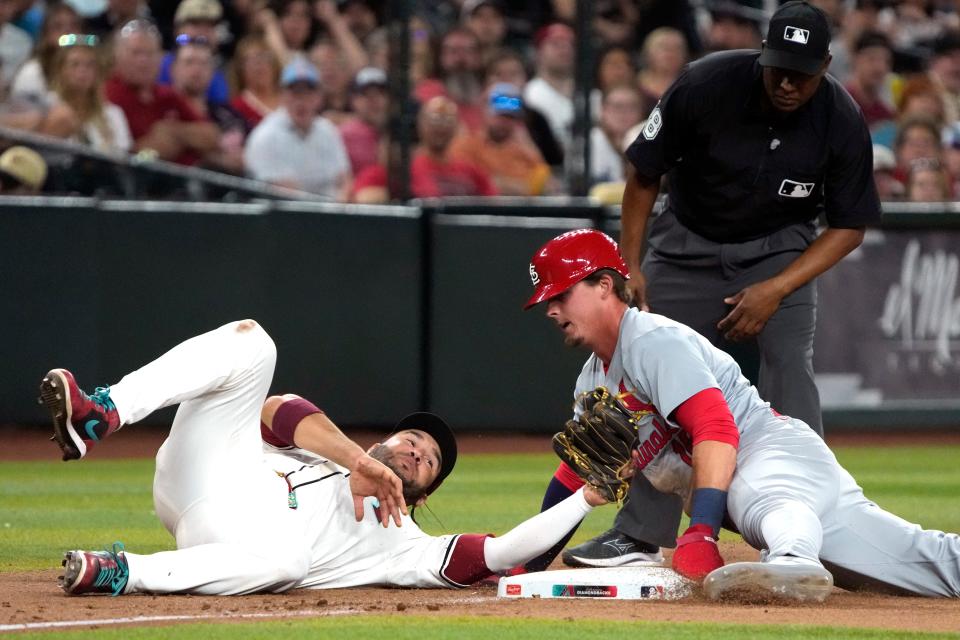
[{"x": 376, "y": 311}]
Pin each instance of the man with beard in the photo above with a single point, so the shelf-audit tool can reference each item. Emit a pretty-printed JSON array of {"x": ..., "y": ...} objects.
[
  {"x": 311, "y": 510},
  {"x": 460, "y": 78}
]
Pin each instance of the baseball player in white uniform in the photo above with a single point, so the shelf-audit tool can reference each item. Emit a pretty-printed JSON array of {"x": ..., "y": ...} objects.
[
  {"x": 310, "y": 510},
  {"x": 788, "y": 495}
]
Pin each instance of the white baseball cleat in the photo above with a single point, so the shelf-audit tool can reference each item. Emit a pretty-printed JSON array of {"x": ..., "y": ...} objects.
[{"x": 802, "y": 581}]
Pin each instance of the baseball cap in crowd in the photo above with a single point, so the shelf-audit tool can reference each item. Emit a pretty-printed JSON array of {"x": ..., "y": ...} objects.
[
  {"x": 438, "y": 429},
  {"x": 798, "y": 38},
  {"x": 743, "y": 11},
  {"x": 946, "y": 43},
  {"x": 505, "y": 100},
  {"x": 551, "y": 31},
  {"x": 470, "y": 7},
  {"x": 369, "y": 77},
  {"x": 24, "y": 166},
  {"x": 299, "y": 70},
  {"x": 198, "y": 11},
  {"x": 883, "y": 158}
]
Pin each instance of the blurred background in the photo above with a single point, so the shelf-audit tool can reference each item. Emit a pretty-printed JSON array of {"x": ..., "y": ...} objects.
[{"x": 369, "y": 179}]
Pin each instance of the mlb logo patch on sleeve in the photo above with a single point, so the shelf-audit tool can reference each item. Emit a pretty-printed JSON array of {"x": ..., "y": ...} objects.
[{"x": 791, "y": 189}]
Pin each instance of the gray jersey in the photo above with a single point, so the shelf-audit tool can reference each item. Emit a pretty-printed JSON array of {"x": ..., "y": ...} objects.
[
  {"x": 789, "y": 495},
  {"x": 657, "y": 365}
]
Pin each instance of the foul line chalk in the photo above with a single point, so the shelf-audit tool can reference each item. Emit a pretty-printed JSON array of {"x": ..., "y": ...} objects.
[{"x": 59, "y": 624}]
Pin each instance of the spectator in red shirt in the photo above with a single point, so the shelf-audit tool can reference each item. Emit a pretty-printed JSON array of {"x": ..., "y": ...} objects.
[
  {"x": 161, "y": 121},
  {"x": 370, "y": 104},
  {"x": 872, "y": 64},
  {"x": 433, "y": 173}
]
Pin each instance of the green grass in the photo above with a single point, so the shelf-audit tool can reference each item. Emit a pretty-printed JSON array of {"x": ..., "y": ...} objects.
[
  {"x": 46, "y": 508},
  {"x": 477, "y": 628}
]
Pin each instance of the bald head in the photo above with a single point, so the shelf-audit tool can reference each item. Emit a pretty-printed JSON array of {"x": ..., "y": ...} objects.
[{"x": 138, "y": 53}]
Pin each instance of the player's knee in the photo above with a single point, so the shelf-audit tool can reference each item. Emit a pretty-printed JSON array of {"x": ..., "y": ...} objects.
[
  {"x": 293, "y": 565},
  {"x": 253, "y": 337}
]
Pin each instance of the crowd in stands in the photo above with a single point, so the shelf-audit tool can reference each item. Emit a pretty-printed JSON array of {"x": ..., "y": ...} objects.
[{"x": 295, "y": 92}]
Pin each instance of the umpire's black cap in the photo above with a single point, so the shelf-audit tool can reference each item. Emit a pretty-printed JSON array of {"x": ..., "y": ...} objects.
[
  {"x": 798, "y": 38},
  {"x": 438, "y": 429}
]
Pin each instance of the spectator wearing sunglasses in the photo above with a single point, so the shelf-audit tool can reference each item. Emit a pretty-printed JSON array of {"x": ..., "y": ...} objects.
[
  {"x": 161, "y": 121},
  {"x": 77, "y": 98},
  {"x": 195, "y": 22},
  {"x": 503, "y": 147}
]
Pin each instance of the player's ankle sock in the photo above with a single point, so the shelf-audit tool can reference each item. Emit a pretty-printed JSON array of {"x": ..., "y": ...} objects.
[{"x": 708, "y": 507}]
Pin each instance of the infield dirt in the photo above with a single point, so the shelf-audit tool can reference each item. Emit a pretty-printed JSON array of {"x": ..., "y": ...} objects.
[{"x": 33, "y": 597}]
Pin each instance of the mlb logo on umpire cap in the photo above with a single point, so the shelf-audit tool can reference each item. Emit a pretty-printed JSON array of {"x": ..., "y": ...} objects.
[
  {"x": 796, "y": 34},
  {"x": 798, "y": 39}
]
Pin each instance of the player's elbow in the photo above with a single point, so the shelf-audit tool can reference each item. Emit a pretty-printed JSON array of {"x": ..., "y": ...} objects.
[{"x": 271, "y": 405}]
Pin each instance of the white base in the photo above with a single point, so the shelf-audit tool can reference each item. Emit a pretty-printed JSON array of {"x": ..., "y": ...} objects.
[{"x": 615, "y": 583}]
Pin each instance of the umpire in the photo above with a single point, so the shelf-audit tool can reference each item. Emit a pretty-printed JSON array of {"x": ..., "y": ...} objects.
[{"x": 755, "y": 146}]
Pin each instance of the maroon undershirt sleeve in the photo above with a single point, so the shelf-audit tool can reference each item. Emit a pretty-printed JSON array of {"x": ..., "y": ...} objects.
[{"x": 285, "y": 421}]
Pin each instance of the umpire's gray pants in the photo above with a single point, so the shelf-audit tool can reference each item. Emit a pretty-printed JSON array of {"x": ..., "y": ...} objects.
[{"x": 688, "y": 277}]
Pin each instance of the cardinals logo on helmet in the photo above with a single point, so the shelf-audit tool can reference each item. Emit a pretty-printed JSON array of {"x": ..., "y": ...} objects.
[{"x": 534, "y": 276}]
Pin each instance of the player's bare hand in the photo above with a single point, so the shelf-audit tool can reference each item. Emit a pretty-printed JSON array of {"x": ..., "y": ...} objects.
[
  {"x": 638, "y": 285},
  {"x": 752, "y": 308},
  {"x": 593, "y": 497},
  {"x": 369, "y": 477}
]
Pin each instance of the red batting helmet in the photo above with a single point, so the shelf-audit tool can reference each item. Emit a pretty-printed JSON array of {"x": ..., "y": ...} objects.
[{"x": 568, "y": 259}]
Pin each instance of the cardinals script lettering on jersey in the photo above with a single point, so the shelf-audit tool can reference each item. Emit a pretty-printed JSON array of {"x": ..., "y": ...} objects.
[{"x": 660, "y": 435}]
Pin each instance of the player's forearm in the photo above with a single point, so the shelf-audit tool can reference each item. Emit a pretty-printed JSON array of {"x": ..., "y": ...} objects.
[
  {"x": 713, "y": 465},
  {"x": 639, "y": 196},
  {"x": 826, "y": 251},
  {"x": 534, "y": 536},
  {"x": 307, "y": 427}
]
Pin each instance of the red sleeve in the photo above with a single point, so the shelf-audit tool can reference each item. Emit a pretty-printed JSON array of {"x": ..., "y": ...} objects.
[
  {"x": 485, "y": 185},
  {"x": 568, "y": 477},
  {"x": 373, "y": 176},
  {"x": 706, "y": 416},
  {"x": 464, "y": 563}
]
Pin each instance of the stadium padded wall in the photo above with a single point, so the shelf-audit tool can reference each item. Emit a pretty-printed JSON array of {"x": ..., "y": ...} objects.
[{"x": 379, "y": 311}]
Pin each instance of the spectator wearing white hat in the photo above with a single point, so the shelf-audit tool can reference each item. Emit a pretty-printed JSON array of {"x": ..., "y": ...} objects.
[
  {"x": 370, "y": 103},
  {"x": 22, "y": 172},
  {"x": 294, "y": 146}
]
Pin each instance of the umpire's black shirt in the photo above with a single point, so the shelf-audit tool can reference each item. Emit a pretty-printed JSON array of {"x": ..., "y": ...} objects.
[{"x": 739, "y": 170}]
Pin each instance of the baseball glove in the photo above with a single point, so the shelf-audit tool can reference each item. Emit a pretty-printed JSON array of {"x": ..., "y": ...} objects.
[{"x": 598, "y": 443}]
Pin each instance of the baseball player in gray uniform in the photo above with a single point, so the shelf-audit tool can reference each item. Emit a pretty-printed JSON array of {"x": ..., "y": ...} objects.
[
  {"x": 312, "y": 509},
  {"x": 788, "y": 495}
]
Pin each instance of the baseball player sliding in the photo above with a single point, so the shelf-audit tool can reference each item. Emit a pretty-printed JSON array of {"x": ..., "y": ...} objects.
[
  {"x": 315, "y": 511},
  {"x": 787, "y": 495}
]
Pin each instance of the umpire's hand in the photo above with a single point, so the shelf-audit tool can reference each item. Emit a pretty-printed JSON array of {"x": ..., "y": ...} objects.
[
  {"x": 752, "y": 309},
  {"x": 637, "y": 284}
]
